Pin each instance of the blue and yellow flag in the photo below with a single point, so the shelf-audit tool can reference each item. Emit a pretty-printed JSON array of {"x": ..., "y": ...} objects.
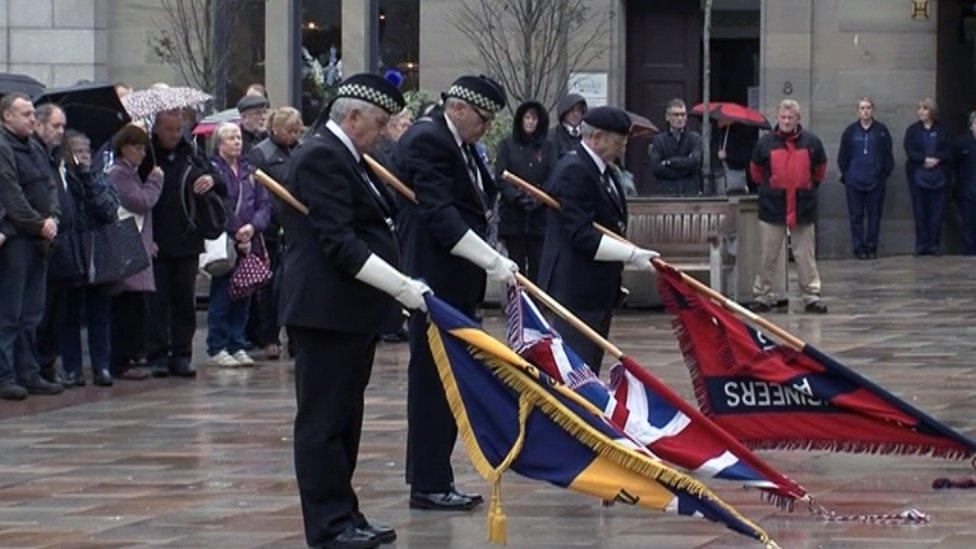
[{"x": 513, "y": 416}]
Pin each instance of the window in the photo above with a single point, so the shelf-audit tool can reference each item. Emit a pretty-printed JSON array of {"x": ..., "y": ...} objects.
[
  {"x": 399, "y": 39},
  {"x": 321, "y": 54}
]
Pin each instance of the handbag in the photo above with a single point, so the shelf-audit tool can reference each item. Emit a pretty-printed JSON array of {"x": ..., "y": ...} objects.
[
  {"x": 252, "y": 272},
  {"x": 114, "y": 252},
  {"x": 220, "y": 253},
  {"x": 219, "y": 256}
]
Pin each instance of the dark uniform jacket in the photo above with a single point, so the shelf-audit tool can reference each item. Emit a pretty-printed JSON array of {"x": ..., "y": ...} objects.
[
  {"x": 327, "y": 247},
  {"x": 921, "y": 143},
  {"x": 27, "y": 190},
  {"x": 428, "y": 159},
  {"x": 788, "y": 167},
  {"x": 865, "y": 157},
  {"x": 568, "y": 271},
  {"x": 530, "y": 157},
  {"x": 965, "y": 162}
]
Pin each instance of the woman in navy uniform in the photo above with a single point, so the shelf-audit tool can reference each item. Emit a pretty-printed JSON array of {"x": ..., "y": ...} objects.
[
  {"x": 581, "y": 267},
  {"x": 339, "y": 293},
  {"x": 929, "y": 152},
  {"x": 443, "y": 241},
  {"x": 965, "y": 160}
]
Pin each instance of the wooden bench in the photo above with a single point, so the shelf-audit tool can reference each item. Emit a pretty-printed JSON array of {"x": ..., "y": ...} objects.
[{"x": 697, "y": 236}]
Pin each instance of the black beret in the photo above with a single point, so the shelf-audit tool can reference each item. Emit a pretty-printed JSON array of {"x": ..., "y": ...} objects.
[
  {"x": 610, "y": 119},
  {"x": 372, "y": 89},
  {"x": 249, "y": 102},
  {"x": 480, "y": 91}
]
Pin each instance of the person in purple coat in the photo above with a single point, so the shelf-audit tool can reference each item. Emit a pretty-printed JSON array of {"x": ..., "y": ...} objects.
[
  {"x": 248, "y": 213},
  {"x": 130, "y": 304}
]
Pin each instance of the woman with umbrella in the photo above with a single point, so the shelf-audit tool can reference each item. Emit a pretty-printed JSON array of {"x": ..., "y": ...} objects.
[{"x": 733, "y": 144}]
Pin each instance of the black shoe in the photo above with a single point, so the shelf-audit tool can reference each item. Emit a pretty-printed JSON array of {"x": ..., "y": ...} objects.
[
  {"x": 476, "y": 497},
  {"x": 861, "y": 254},
  {"x": 12, "y": 391},
  {"x": 133, "y": 372},
  {"x": 872, "y": 254},
  {"x": 181, "y": 367},
  {"x": 383, "y": 533},
  {"x": 71, "y": 380},
  {"x": 41, "y": 386},
  {"x": 159, "y": 368},
  {"x": 398, "y": 336},
  {"x": 51, "y": 375},
  {"x": 758, "y": 307},
  {"x": 816, "y": 307},
  {"x": 442, "y": 501},
  {"x": 102, "y": 378},
  {"x": 353, "y": 538}
]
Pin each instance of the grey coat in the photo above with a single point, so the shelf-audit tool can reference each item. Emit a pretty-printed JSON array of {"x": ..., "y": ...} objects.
[{"x": 138, "y": 198}]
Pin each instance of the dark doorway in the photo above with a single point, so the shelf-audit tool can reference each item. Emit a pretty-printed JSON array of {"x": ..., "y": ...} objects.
[
  {"x": 664, "y": 41},
  {"x": 956, "y": 64}
]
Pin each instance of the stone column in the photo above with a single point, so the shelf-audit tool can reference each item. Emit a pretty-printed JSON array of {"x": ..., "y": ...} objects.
[
  {"x": 786, "y": 39},
  {"x": 282, "y": 51},
  {"x": 357, "y": 36},
  {"x": 58, "y": 42}
]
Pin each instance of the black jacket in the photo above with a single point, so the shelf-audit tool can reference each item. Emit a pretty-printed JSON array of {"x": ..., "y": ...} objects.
[
  {"x": 916, "y": 152},
  {"x": 676, "y": 163},
  {"x": 560, "y": 136},
  {"x": 429, "y": 161},
  {"x": 530, "y": 157},
  {"x": 174, "y": 229},
  {"x": 251, "y": 139},
  {"x": 273, "y": 159},
  {"x": 865, "y": 157},
  {"x": 87, "y": 203},
  {"x": 965, "y": 163},
  {"x": 27, "y": 190},
  {"x": 327, "y": 247},
  {"x": 568, "y": 271}
]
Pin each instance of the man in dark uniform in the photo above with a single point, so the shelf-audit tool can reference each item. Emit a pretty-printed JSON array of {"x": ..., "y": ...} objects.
[
  {"x": 443, "y": 243},
  {"x": 569, "y": 115},
  {"x": 339, "y": 273},
  {"x": 581, "y": 267}
]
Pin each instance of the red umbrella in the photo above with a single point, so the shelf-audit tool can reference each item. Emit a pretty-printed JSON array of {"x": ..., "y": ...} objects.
[{"x": 732, "y": 112}]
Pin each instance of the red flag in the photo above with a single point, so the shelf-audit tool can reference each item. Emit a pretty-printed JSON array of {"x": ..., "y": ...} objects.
[{"x": 772, "y": 396}]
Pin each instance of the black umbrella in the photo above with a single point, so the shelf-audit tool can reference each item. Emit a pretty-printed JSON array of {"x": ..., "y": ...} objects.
[
  {"x": 93, "y": 109},
  {"x": 10, "y": 83}
]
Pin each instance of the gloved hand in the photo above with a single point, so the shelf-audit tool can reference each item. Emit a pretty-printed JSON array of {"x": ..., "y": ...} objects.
[
  {"x": 382, "y": 276},
  {"x": 611, "y": 249},
  {"x": 477, "y": 251}
]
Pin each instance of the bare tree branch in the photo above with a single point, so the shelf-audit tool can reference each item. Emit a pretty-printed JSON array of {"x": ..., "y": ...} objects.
[{"x": 532, "y": 46}]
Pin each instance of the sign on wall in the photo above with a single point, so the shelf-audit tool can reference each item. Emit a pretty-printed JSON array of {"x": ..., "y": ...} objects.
[{"x": 591, "y": 85}]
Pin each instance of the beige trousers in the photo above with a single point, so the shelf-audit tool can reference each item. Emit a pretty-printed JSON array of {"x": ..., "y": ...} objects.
[{"x": 772, "y": 240}]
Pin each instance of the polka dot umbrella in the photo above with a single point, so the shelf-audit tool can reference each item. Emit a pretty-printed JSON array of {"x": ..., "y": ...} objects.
[{"x": 144, "y": 104}]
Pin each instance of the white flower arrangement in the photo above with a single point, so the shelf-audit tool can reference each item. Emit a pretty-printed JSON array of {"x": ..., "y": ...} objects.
[{"x": 322, "y": 78}]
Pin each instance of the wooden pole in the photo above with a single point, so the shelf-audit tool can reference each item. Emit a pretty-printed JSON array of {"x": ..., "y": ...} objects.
[
  {"x": 659, "y": 263},
  {"x": 280, "y": 191}
]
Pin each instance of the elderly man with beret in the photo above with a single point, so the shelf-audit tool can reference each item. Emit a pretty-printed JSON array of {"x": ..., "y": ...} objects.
[
  {"x": 582, "y": 267},
  {"x": 340, "y": 292},
  {"x": 443, "y": 238}
]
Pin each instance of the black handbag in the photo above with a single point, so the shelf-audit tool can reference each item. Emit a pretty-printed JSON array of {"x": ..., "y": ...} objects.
[{"x": 114, "y": 252}]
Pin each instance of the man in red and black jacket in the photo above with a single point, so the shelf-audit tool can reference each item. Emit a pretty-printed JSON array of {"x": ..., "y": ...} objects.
[{"x": 789, "y": 164}]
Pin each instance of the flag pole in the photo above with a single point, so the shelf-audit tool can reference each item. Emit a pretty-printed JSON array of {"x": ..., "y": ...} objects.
[
  {"x": 788, "y": 338},
  {"x": 280, "y": 191}
]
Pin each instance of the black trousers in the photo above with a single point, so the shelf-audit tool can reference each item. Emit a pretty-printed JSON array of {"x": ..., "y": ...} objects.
[
  {"x": 49, "y": 330},
  {"x": 172, "y": 309},
  {"x": 431, "y": 431},
  {"x": 130, "y": 311},
  {"x": 332, "y": 370},
  {"x": 526, "y": 252},
  {"x": 262, "y": 321},
  {"x": 590, "y": 352}
]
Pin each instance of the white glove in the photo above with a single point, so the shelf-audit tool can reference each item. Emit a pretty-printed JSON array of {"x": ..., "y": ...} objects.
[
  {"x": 382, "y": 276},
  {"x": 477, "y": 251},
  {"x": 611, "y": 249}
]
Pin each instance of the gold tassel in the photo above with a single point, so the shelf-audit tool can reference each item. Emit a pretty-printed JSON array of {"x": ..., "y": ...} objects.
[{"x": 497, "y": 521}]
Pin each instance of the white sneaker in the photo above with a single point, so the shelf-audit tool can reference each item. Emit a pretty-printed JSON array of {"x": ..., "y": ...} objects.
[
  {"x": 223, "y": 359},
  {"x": 243, "y": 358}
]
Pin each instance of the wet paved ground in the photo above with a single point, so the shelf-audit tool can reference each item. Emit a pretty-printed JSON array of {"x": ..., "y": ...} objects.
[{"x": 207, "y": 462}]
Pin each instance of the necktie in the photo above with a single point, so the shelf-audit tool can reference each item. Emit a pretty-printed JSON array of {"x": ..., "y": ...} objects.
[
  {"x": 472, "y": 167},
  {"x": 611, "y": 189},
  {"x": 380, "y": 199}
]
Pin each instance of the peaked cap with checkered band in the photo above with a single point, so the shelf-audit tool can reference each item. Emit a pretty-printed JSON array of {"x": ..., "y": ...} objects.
[
  {"x": 480, "y": 91},
  {"x": 372, "y": 89}
]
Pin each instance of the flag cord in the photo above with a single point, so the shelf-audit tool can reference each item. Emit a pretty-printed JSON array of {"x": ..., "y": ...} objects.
[{"x": 910, "y": 516}]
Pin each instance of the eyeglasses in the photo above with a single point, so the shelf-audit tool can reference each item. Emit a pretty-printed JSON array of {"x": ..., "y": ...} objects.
[{"x": 485, "y": 118}]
